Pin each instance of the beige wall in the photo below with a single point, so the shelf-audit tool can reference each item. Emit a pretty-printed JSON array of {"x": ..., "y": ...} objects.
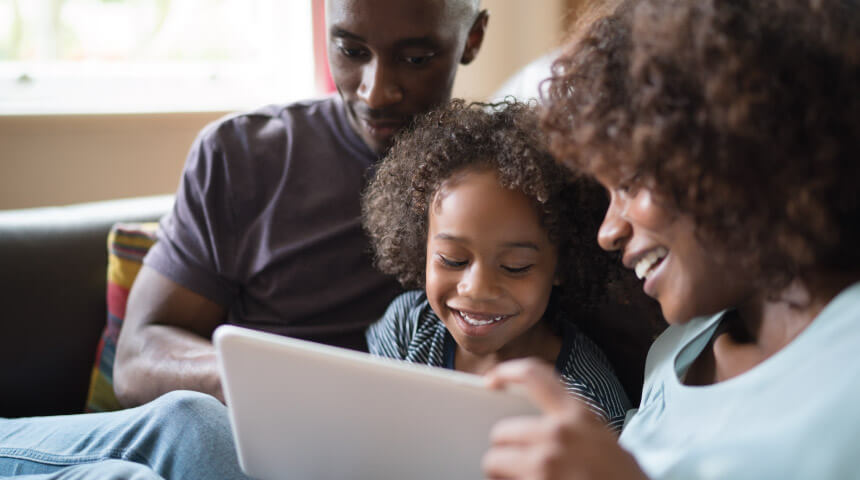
[
  {"x": 59, "y": 159},
  {"x": 54, "y": 160},
  {"x": 519, "y": 31}
]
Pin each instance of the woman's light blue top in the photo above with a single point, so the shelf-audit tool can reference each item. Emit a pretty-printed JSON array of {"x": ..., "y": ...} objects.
[{"x": 794, "y": 416}]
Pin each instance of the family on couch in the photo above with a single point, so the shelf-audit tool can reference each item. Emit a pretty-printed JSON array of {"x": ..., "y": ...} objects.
[{"x": 725, "y": 136}]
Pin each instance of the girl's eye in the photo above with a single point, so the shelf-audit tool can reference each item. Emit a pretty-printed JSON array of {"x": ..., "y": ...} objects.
[
  {"x": 517, "y": 269},
  {"x": 448, "y": 262}
]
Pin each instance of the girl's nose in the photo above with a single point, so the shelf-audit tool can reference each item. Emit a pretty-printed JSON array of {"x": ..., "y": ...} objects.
[{"x": 476, "y": 283}]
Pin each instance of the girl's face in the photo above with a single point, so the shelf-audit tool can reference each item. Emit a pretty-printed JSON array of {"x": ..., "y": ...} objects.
[
  {"x": 660, "y": 245},
  {"x": 490, "y": 264}
]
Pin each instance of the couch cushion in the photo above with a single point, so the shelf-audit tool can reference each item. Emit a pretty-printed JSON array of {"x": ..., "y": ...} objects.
[{"x": 127, "y": 245}]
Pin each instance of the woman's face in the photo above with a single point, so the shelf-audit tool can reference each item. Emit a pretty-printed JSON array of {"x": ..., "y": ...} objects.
[
  {"x": 659, "y": 243},
  {"x": 490, "y": 263}
]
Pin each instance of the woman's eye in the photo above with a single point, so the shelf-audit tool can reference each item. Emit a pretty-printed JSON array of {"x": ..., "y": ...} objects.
[
  {"x": 448, "y": 262},
  {"x": 523, "y": 269},
  {"x": 629, "y": 185}
]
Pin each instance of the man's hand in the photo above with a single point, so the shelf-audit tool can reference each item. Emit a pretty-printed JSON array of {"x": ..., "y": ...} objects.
[
  {"x": 165, "y": 342},
  {"x": 567, "y": 442}
]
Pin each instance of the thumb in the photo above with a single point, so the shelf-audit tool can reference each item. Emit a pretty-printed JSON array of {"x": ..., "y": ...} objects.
[{"x": 540, "y": 382}]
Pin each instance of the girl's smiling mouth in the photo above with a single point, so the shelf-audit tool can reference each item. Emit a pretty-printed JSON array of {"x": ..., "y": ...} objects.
[{"x": 477, "y": 319}]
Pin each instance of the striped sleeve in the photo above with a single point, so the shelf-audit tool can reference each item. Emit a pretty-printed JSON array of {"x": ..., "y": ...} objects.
[
  {"x": 588, "y": 375},
  {"x": 391, "y": 335},
  {"x": 409, "y": 331}
]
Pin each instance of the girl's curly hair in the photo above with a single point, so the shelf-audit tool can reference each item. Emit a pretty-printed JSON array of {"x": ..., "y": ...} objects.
[
  {"x": 744, "y": 113},
  {"x": 505, "y": 138}
]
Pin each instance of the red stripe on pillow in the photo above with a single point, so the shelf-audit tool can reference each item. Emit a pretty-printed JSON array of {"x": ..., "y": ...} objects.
[{"x": 117, "y": 297}]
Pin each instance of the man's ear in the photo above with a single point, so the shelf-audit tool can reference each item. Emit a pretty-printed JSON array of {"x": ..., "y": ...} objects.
[{"x": 475, "y": 38}]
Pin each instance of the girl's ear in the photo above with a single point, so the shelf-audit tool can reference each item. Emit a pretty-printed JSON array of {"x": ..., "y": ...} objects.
[{"x": 556, "y": 279}]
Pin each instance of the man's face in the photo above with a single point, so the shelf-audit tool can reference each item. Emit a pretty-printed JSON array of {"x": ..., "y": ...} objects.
[{"x": 394, "y": 59}]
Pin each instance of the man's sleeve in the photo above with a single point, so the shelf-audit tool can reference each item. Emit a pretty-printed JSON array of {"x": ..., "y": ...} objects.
[
  {"x": 390, "y": 335},
  {"x": 195, "y": 240}
]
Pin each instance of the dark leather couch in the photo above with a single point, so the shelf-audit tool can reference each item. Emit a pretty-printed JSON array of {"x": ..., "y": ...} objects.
[{"x": 52, "y": 290}]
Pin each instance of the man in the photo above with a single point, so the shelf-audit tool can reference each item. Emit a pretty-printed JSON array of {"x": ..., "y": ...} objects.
[
  {"x": 266, "y": 228},
  {"x": 265, "y": 233}
]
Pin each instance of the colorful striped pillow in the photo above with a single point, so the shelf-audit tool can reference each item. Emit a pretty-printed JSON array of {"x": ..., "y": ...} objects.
[{"x": 127, "y": 244}]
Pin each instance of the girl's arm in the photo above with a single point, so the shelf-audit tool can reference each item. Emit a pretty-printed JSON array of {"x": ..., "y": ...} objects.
[{"x": 567, "y": 441}]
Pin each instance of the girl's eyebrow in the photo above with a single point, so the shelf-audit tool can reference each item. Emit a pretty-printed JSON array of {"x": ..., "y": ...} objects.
[
  {"x": 528, "y": 245},
  {"x": 454, "y": 238}
]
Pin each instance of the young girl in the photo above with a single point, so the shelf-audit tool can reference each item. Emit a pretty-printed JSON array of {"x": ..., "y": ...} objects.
[{"x": 470, "y": 208}]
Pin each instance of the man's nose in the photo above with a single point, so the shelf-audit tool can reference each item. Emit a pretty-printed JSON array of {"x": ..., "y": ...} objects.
[{"x": 379, "y": 88}]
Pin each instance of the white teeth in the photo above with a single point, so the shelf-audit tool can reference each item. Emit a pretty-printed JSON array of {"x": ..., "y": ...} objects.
[
  {"x": 477, "y": 322},
  {"x": 646, "y": 263}
]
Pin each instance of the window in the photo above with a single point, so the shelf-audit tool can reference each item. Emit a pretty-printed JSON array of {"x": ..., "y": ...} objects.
[{"x": 90, "y": 56}]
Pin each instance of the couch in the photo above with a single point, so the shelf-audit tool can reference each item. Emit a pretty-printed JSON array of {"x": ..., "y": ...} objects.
[{"x": 52, "y": 288}]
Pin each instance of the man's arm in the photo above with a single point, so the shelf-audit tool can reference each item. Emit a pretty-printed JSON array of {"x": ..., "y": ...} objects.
[{"x": 165, "y": 342}]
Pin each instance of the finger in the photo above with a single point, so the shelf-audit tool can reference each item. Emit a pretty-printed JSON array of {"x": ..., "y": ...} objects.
[
  {"x": 539, "y": 380},
  {"x": 520, "y": 431},
  {"x": 506, "y": 462}
]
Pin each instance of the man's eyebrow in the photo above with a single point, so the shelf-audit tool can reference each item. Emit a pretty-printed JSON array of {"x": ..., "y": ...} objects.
[
  {"x": 338, "y": 32},
  {"x": 454, "y": 238},
  {"x": 418, "y": 42},
  {"x": 414, "y": 42}
]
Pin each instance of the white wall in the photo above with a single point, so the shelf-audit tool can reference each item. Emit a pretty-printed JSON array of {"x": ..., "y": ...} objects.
[{"x": 59, "y": 159}]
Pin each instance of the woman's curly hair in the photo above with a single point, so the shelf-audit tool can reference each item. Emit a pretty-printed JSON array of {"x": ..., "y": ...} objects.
[
  {"x": 743, "y": 113},
  {"x": 505, "y": 138}
]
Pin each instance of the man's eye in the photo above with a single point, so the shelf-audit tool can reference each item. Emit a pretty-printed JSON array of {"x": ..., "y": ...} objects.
[
  {"x": 418, "y": 60},
  {"x": 351, "y": 52},
  {"x": 523, "y": 269},
  {"x": 448, "y": 262}
]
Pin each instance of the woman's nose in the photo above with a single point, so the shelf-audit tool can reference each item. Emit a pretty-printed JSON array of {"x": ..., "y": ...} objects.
[{"x": 615, "y": 229}]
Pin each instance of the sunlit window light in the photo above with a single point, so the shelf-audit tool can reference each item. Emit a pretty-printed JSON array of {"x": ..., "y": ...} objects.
[{"x": 92, "y": 56}]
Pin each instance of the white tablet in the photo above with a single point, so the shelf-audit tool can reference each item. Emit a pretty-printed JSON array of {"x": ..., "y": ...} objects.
[{"x": 303, "y": 410}]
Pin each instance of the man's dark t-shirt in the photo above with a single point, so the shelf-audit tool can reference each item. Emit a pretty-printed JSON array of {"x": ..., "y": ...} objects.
[{"x": 267, "y": 224}]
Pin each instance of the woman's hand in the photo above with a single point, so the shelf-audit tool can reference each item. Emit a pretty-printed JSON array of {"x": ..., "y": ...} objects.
[{"x": 567, "y": 442}]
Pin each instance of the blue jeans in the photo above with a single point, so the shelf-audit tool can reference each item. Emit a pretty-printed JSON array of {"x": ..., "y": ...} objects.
[{"x": 182, "y": 435}]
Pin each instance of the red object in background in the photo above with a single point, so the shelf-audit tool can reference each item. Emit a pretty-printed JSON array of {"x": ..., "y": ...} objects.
[{"x": 322, "y": 75}]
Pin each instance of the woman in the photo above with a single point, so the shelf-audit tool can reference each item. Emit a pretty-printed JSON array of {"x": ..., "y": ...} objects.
[{"x": 727, "y": 134}]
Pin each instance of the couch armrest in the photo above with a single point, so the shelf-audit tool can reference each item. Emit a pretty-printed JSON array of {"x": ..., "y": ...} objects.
[{"x": 52, "y": 299}]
